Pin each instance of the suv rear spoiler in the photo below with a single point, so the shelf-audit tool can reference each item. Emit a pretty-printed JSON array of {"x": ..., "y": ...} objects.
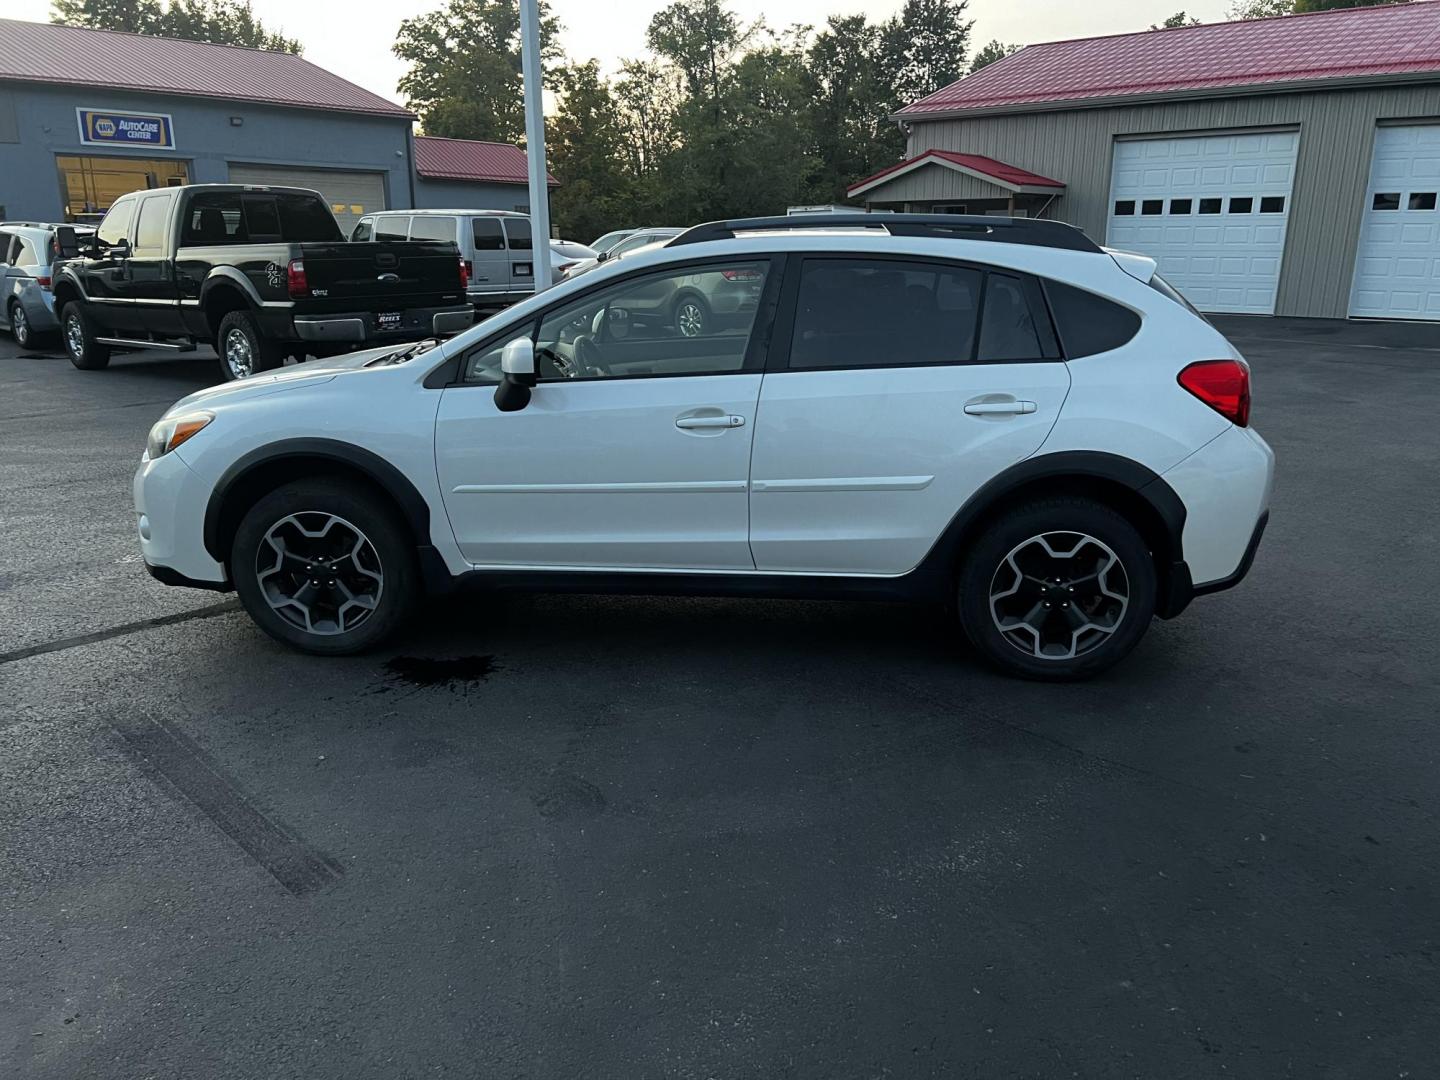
[{"x": 1141, "y": 267}]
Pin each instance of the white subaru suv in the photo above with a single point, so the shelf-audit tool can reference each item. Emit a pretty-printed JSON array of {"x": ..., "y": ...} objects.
[{"x": 989, "y": 413}]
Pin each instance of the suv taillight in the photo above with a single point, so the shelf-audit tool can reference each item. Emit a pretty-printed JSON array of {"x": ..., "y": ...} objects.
[
  {"x": 740, "y": 275},
  {"x": 1224, "y": 385},
  {"x": 43, "y": 282},
  {"x": 465, "y": 272},
  {"x": 295, "y": 282}
]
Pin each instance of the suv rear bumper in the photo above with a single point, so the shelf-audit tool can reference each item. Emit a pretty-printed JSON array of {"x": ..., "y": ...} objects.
[{"x": 361, "y": 326}]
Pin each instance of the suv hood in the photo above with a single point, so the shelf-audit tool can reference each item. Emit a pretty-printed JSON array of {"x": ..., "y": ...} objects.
[{"x": 310, "y": 373}]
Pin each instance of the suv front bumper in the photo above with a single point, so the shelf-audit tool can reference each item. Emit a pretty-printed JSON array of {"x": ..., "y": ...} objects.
[
  {"x": 362, "y": 326},
  {"x": 170, "y": 500}
]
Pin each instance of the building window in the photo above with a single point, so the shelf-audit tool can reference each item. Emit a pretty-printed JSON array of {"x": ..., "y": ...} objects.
[
  {"x": 1422, "y": 200},
  {"x": 1180, "y": 206},
  {"x": 1385, "y": 200},
  {"x": 1125, "y": 208},
  {"x": 1241, "y": 204},
  {"x": 1209, "y": 206},
  {"x": 1152, "y": 206},
  {"x": 1272, "y": 204}
]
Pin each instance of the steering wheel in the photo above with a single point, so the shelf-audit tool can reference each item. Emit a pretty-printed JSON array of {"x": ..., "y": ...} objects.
[{"x": 588, "y": 357}]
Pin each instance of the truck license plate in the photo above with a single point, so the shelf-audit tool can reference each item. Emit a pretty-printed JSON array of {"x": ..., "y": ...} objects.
[{"x": 389, "y": 320}]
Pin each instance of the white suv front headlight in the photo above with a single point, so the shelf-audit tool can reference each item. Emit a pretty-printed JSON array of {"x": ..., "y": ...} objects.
[{"x": 174, "y": 430}]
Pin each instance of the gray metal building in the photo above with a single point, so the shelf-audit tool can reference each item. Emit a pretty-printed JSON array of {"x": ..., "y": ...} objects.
[
  {"x": 1284, "y": 166},
  {"x": 87, "y": 115}
]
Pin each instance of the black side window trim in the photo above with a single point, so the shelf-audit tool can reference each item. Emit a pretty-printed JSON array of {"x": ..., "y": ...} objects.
[
  {"x": 451, "y": 373},
  {"x": 783, "y": 330}
]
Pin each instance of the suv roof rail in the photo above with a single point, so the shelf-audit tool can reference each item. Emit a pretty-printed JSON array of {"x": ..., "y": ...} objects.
[{"x": 1004, "y": 230}]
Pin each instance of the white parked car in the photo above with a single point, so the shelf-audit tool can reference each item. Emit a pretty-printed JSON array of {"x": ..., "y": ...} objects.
[{"x": 991, "y": 413}]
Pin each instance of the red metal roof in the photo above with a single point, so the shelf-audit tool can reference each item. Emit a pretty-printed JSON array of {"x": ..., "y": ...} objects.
[
  {"x": 469, "y": 159},
  {"x": 1008, "y": 176},
  {"x": 72, "y": 55},
  {"x": 1397, "y": 39}
]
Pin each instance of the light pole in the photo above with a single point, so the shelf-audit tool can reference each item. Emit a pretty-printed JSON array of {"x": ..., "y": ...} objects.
[{"x": 535, "y": 142}]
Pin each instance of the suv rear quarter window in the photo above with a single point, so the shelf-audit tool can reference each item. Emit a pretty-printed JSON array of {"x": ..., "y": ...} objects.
[{"x": 1089, "y": 324}]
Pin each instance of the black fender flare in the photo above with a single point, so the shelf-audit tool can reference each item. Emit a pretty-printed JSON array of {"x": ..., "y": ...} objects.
[
  {"x": 229, "y": 276},
  {"x": 372, "y": 466},
  {"x": 1139, "y": 480}
]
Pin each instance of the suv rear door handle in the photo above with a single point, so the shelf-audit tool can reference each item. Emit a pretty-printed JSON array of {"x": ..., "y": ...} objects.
[
  {"x": 722, "y": 421},
  {"x": 1000, "y": 408}
]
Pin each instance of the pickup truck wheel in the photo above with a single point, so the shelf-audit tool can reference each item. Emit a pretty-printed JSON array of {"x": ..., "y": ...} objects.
[
  {"x": 243, "y": 350},
  {"x": 80, "y": 344}
]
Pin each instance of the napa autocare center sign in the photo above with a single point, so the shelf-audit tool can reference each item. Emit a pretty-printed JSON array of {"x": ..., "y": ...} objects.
[{"x": 101, "y": 127}]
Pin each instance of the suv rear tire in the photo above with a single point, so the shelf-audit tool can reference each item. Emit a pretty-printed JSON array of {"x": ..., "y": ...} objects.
[
  {"x": 325, "y": 566},
  {"x": 1057, "y": 590},
  {"x": 78, "y": 330},
  {"x": 243, "y": 349}
]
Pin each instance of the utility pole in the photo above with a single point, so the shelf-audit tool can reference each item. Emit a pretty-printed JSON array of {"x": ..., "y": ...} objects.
[{"x": 535, "y": 142}]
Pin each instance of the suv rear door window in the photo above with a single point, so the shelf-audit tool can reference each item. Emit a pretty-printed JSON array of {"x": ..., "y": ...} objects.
[
  {"x": 878, "y": 313},
  {"x": 1011, "y": 328}
]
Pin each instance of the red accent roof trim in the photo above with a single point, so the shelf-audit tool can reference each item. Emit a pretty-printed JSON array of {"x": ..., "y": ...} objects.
[
  {"x": 988, "y": 167},
  {"x": 72, "y": 55},
  {"x": 1389, "y": 40},
  {"x": 438, "y": 158}
]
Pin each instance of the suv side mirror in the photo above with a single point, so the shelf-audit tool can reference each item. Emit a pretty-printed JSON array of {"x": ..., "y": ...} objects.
[
  {"x": 517, "y": 365},
  {"x": 67, "y": 245},
  {"x": 602, "y": 256}
]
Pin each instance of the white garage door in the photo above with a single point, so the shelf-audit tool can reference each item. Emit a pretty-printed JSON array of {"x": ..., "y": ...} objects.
[
  {"x": 1397, "y": 268},
  {"x": 1211, "y": 209},
  {"x": 350, "y": 194}
]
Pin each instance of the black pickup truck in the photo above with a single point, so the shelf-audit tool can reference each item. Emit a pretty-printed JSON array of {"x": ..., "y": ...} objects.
[{"x": 261, "y": 272}]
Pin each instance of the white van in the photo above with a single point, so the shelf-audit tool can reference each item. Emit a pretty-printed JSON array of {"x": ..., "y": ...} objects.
[{"x": 495, "y": 244}]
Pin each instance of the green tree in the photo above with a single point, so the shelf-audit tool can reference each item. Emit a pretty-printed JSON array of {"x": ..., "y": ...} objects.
[
  {"x": 925, "y": 46},
  {"x": 851, "y": 133},
  {"x": 989, "y": 53},
  {"x": 1176, "y": 20},
  {"x": 221, "y": 22},
  {"x": 1259, "y": 9},
  {"x": 464, "y": 79},
  {"x": 585, "y": 143}
]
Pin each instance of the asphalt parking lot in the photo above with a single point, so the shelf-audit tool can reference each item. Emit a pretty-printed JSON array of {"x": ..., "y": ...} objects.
[{"x": 566, "y": 837}]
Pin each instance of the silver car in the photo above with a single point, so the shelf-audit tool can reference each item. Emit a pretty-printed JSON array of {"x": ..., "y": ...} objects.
[{"x": 27, "y": 257}]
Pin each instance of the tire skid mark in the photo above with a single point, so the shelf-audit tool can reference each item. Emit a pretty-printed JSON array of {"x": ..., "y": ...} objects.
[
  {"x": 176, "y": 762},
  {"x": 122, "y": 630}
]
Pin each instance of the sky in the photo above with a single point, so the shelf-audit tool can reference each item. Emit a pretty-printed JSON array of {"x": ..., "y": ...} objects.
[{"x": 353, "y": 37}]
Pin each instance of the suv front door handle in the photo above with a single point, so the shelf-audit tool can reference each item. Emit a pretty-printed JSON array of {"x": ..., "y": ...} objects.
[
  {"x": 1000, "y": 408},
  {"x": 722, "y": 421}
]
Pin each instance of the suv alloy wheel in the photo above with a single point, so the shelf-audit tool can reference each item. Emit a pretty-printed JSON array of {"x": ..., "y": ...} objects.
[
  {"x": 1058, "y": 589},
  {"x": 324, "y": 566}
]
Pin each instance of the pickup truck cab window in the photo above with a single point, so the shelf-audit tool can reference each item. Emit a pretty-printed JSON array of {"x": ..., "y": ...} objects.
[
  {"x": 150, "y": 224},
  {"x": 116, "y": 226}
]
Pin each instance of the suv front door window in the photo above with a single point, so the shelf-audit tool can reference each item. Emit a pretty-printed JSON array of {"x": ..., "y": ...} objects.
[{"x": 633, "y": 451}]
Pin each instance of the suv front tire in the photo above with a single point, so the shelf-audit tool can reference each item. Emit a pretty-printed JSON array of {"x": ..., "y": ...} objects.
[{"x": 325, "y": 566}]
